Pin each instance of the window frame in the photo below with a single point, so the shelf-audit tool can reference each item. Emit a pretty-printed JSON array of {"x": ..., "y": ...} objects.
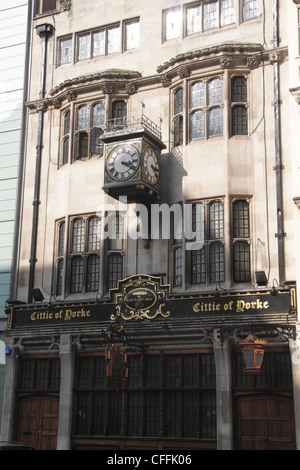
[
  {"x": 126, "y": 25},
  {"x": 122, "y": 35},
  {"x": 159, "y": 374},
  {"x": 207, "y": 109},
  {"x": 60, "y": 42},
  {"x": 238, "y": 240},
  {"x": 235, "y": 104},
  {"x": 205, "y": 254}
]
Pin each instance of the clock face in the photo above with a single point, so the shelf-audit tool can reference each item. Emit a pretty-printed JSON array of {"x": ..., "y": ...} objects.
[
  {"x": 151, "y": 166},
  {"x": 122, "y": 162}
]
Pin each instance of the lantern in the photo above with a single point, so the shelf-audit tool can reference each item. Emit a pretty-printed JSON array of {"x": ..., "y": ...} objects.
[
  {"x": 116, "y": 367},
  {"x": 253, "y": 353}
]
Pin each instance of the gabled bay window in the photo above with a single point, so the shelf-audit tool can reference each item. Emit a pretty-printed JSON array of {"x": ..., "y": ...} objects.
[
  {"x": 82, "y": 125},
  {"x": 209, "y": 109}
]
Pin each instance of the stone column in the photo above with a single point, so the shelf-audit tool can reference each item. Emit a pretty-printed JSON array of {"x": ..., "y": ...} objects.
[
  {"x": 65, "y": 399},
  {"x": 223, "y": 393},
  {"x": 9, "y": 395}
]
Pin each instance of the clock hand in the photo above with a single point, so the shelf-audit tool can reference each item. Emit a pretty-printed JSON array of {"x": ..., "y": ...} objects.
[
  {"x": 154, "y": 168},
  {"x": 129, "y": 165}
]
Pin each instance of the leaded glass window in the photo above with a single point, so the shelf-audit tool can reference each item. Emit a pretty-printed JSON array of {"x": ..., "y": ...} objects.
[
  {"x": 90, "y": 120},
  {"x": 78, "y": 236},
  {"x": 174, "y": 398},
  {"x": 207, "y": 260},
  {"x": 250, "y": 9},
  {"x": 65, "y": 51},
  {"x": 76, "y": 274},
  {"x": 210, "y": 15},
  {"x": 92, "y": 277},
  {"x": 241, "y": 241},
  {"x": 206, "y": 119},
  {"x": 239, "y": 106},
  {"x": 83, "y": 256},
  {"x": 114, "y": 270}
]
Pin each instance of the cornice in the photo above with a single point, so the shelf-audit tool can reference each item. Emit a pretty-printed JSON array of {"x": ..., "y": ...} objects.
[
  {"x": 211, "y": 52},
  {"x": 108, "y": 75},
  {"x": 223, "y": 56}
]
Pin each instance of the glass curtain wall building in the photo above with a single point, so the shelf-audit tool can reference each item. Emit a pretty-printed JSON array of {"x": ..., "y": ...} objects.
[{"x": 13, "y": 38}]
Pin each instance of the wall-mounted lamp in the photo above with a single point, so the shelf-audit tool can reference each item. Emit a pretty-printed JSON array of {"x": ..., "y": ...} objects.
[
  {"x": 261, "y": 278},
  {"x": 37, "y": 295},
  {"x": 253, "y": 353}
]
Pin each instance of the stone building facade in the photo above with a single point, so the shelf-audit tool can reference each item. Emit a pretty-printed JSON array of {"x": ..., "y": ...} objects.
[{"x": 159, "y": 228}]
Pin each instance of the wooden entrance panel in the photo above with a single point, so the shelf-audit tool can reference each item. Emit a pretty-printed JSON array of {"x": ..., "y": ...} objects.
[
  {"x": 265, "y": 423},
  {"x": 37, "y": 422}
]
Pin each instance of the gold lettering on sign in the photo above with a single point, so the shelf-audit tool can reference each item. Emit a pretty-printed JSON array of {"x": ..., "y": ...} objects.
[
  {"x": 239, "y": 307},
  {"x": 66, "y": 315}
]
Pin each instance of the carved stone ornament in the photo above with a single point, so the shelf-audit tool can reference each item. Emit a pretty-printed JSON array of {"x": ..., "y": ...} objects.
[
  {"x": 166, "y": 80},
  {"x": 106, "y": 88},
  {"x": 65, "y": 5},
  {"x": 57, "y": 103},
  {"x": 40, "y": 106},
  {"x": 225, "y": 62},
  {"x": 71, "y": 96},
  {"x": 183, "y": 72},
  {"x": 252, "y": 61},
  {"x": 130, "y": 88},
  {"x": 275, "y": 56}
]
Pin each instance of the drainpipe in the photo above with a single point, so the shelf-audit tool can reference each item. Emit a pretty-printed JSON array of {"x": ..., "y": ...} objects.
[
  {"x": 278, "y": 161},
  {"x": 43, "y": 31}
]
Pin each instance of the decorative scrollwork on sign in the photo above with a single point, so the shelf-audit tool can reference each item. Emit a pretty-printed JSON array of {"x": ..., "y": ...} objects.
[{"x": 141, "y": 298}]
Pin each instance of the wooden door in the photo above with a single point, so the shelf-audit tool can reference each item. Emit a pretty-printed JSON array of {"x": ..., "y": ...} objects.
[
  {"x": 265, "y": 422},
  {"x": 37, "y": 421}
]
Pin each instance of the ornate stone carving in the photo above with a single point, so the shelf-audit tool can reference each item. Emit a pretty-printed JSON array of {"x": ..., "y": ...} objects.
[
  {"x": 71, "y": 96},
  {"x": 130, "y": 88},
  {"x": 183, "y": 71},
  {"x": 252, "y": 61},
  {"x": 106, "y": 88},
  {"x": 275, "y": 56},
  {"x": 65, "y": 5},
  {"x": 225, "y": 62},
  {"x": 40, "y": 106},
  {"x": 166, "y": 80}
]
